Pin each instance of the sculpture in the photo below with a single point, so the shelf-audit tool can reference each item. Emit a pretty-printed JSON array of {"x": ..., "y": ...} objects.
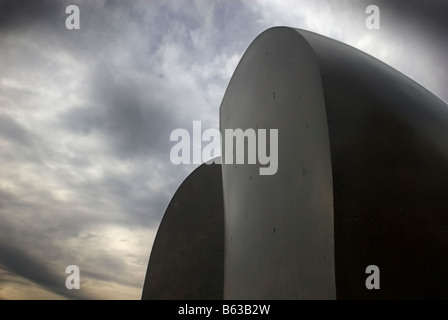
[{"x": 362, "y": 180}]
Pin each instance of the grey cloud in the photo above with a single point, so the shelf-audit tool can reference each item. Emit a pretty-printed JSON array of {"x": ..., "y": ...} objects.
[
  {"x": 12, "y": 131},
  {"x": 30, "y": 14},
  {"x": 9, "y": 200},
  {"x": 428, "y": 16},
  {"x": 133, "y": 124},
  {"x": 33, "y": 249},
  {"x": 19, "y": 262},
  {"x": 422, "y": 26},
  {"x": 25, "y": 146}
]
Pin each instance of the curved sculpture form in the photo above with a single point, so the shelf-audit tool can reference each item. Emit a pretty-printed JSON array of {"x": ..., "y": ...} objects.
[
  {"x": 279, "y": 240},
  {"x": 362, "y": 176},
  {"x": 187, "y": 258},
  {"x": 362, "y": 180}
]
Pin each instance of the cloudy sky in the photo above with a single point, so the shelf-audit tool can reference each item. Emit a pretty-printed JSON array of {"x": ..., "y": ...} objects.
[{"x": 86, "y": 116}]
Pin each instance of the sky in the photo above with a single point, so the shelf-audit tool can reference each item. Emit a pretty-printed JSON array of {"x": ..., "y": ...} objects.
[{"x": 86, "y": 117}]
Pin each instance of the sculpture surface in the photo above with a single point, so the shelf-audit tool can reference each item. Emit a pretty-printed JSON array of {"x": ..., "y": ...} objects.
[
  {"x": 187, "y": 258},
  {"x": 362, "y": 177}
]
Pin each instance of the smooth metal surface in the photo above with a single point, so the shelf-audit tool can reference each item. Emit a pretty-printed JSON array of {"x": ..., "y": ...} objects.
[
  {"x": 279, "y": 228},
  {"x": 187, "y": 258}
]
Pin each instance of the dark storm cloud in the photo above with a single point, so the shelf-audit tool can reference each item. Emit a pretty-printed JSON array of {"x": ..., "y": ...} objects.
[
  {"x": 37, "y": 167},
  {"x": 17, "y": 14},
  {"x": 130, "y": 129},
  {"x": 124, "y": 113},
  {"x": 132, "y": 123},
  {"x": 30, "y": 267},
  {"x": 417, "y": 21},
  {"x": 429, "y": 16},
  {"x": 422, "y": 26},
  {"x": 40, "y": 250},
  {"x": 86, "y": 118}
]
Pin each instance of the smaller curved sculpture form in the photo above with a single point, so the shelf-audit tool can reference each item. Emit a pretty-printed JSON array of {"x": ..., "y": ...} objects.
[
  {"x": 362, "y": 180},
  {"x": 187, "y": 258}
]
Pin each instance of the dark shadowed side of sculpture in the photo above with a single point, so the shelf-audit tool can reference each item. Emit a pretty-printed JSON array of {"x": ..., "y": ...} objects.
[{"x": 187, "y": 258}]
